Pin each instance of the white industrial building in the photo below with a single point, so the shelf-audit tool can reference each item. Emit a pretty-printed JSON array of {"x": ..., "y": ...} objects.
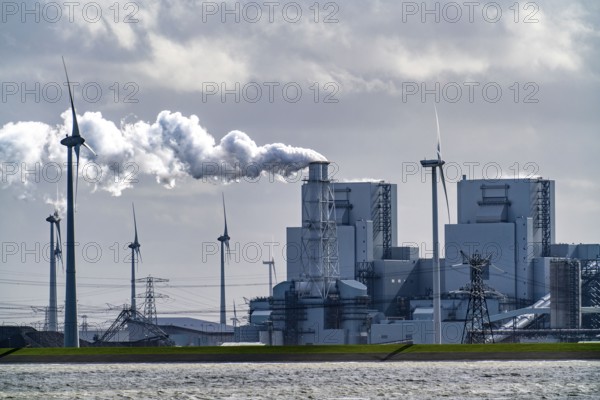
[{"x": 349, "y": 282}]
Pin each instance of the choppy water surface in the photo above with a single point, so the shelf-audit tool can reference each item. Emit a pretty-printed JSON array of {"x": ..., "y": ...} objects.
[{"x": 398, "y": 380}]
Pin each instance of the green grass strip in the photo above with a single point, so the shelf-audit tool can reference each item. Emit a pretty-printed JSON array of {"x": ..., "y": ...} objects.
[{"x": 326, "y": 349}]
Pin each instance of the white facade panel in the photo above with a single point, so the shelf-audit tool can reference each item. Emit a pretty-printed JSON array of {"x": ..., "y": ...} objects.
[
  {"x": 293, "y": 254},
  {"x": 346, "y": 243},
  {"x": 497, "y": 239},
  {"x": 525, "y": 249},
  {"x": 364, "y": 241}
]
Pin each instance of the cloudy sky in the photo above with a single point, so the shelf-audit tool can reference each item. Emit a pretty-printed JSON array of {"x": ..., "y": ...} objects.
[{"x": 171, "y": 94}]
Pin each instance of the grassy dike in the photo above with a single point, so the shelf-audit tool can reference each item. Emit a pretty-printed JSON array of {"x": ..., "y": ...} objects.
[{"x": 504, "y": 351}]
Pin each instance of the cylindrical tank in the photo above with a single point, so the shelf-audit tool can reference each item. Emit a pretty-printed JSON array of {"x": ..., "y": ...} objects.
[{"x": 318, "y": 171}]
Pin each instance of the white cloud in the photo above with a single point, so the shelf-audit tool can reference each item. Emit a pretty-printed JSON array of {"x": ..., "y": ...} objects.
[{"x": 186, "y": 66}]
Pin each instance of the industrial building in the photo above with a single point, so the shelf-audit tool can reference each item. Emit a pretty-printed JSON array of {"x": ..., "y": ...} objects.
[
  {"x": 349, "y": 282},
  {"x": 184, "y": 331}
]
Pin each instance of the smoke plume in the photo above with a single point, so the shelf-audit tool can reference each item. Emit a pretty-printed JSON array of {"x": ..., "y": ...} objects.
[{"x": 172, "y": 148}]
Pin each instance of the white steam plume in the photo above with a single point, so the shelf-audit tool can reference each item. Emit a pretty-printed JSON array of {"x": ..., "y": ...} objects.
[
  {"x": 172, "y": 148},
  {"x": 58, "y": 204}
]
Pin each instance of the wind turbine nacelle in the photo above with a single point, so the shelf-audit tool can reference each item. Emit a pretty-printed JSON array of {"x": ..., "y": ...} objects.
[
  {"x": 71, "y": 141},
  {"x": 432, "y": 163}
]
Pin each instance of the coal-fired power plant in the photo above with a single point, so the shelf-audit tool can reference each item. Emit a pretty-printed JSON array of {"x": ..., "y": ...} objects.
[{"x": 503, "y": 277}]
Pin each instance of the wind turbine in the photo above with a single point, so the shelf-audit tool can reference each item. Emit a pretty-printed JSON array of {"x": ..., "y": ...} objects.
[
  {"x": 235, "y": 319},
  {"x": 135, "y": 249},
  {"x": 73, "y": 141},
  {"x": 224, "y": 239},
  {"x": 434, "y": 165},
  {"x": 271, "y": 265},
  {"x": 55, "y": 252}
]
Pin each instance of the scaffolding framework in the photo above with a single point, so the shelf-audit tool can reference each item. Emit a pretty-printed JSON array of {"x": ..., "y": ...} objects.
[
  {"x": 590, "y": 292},
  {"x": 544, "y": 218},
  {"x": 319, "y": 252},
  {"x": 574, "y": 291},
  {"x": 130, "y": 317},
  {"x": 382, "y": 218}
]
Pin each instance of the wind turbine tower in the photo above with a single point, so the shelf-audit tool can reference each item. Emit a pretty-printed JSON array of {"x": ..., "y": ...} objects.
[
  {"x": 434, "y": 165},
  {"x": 55, "y": 253},
  {"x": 135, "y": 250},
  {"x": 75, "y": 141},
  {"x": 235, "y": 321},
  {"x": 224, "y": 239}
]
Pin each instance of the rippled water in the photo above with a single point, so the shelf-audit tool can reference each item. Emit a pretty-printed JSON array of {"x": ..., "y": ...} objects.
[{"x": 394, "y": 380}]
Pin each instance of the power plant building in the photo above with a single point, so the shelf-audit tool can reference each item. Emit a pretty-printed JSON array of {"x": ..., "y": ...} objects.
[{"x": 349, "y": 282}]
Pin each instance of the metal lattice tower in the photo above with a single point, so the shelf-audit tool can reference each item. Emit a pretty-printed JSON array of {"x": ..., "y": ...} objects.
[
  {"x": 44, "y": 310},
  {"x": 150, "y": 296},
  {"x": 477, "y": 322},
  {"x": 319, "y": 252},
  {"x": 382, "y": 218},
  {"x": 84, "y": 323},
  {"x": 544, "y": 216},
  {"x": 47, "y": 319}
]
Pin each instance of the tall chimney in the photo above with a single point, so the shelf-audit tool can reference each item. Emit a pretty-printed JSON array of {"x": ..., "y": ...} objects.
[{"x": 319, "y": 251}]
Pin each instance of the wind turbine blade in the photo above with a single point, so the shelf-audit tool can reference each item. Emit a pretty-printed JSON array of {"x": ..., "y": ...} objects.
[
  {"x": 234, "y": 311},
  {"x": 274, "y": 270},
  {"x": 87, "y": 146},
  {"x": 58, "y": 249},
  {"x": 445, "y": 192},
  {"x": 76, "y": 174},
  {"x": 139, "y": 253},
  {"x": 228, "y": 250},
  {"x": 439, "y": 139},
  {"x": 75, "y": 125},
  {"x": 62, "y": 264},
  {"x": 439, "y": 156},
  {"x": 58, "y": 231},
  {"x": 225, "y": 217},
  {"x": 497, "y": 268},
  {"x": 134, "y": 224}
]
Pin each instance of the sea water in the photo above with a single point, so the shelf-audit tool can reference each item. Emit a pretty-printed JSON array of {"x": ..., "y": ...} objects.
[{"x": 344, "y": 380}]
